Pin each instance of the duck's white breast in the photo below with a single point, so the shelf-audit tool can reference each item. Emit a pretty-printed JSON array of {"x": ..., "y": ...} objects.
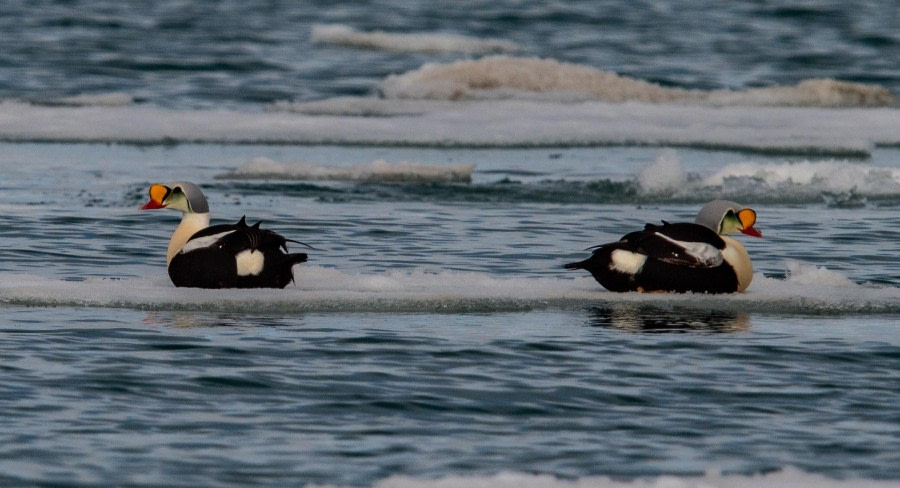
[{"x": 736, "y": 255}]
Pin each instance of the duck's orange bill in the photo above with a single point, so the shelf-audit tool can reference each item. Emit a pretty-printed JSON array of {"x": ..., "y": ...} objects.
[
  {"x": 748, "y": 218},
  {"x": 158, "y": 193}
]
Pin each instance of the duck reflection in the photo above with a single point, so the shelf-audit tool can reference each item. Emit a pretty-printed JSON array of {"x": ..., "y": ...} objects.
[
  {"x": 181, "y": 319},
  {"x": 187, "y": 319},
  {"x": 653, "y": 319}
]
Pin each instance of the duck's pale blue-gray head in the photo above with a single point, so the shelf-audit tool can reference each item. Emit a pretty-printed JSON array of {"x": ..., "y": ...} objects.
[
  {"x": 727, "y": 217},
  {"x": 181, "y": 195}
]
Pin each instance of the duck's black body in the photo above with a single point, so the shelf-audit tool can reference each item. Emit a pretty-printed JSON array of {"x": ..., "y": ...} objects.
[
  {"x": 234, "y": 256},
  {"x": 679, "y": 257}
]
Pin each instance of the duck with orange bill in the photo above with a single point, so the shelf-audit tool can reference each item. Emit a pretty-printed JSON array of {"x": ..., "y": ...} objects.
[
  {"x": 698, "y": 257},
  {"x": 222, "y": 256}
]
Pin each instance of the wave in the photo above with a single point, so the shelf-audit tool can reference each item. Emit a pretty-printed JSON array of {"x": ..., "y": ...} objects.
[
  {"x": 343, "y": 35},
  {"x": 807, "y": 289},
  {"x": 784, "y": 478},
  {"x": 837, "y": 183},
  {"x": 376, "y": 171},
  {"x": 502, "y": 77}
]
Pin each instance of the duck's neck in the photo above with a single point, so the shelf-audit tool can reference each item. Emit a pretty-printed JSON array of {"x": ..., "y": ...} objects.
[{"x": 190, "y": 224}]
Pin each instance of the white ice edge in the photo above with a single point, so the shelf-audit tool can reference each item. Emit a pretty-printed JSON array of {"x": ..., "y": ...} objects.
[
  {"x": 501, "y": 76},
  {"x": 344, "y": 35},
  {"x": 807, "y": 290},
  {"x": 784, "y": 478},
  {"x": 833, "y": 178},
  {"x": 378, "y": 170},
  {"x": 499, "y": 123}
]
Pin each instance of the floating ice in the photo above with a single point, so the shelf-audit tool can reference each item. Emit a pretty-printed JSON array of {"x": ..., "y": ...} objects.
[
  {"x": 498, "y": 77},
  {"x": 808, "y": 290},
  {"x": 808, "y": 274},
  {"x": 828, "y": 175},
  {"x": 839, "y": 183},
  {"x": 496, "y": 123},
  {"x": 784, "y": 478},
  {"x": 115, "y": 99},
  {"x": 807, "y": 93},
  {"x": 344, "y": 35},
  {"x": 364, "y": 107},
  {"x": 376, "y": 171},
  {"x": 509, "y": 77}
]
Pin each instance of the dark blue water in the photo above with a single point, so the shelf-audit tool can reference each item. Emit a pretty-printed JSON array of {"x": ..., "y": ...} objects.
[
  {"x": 232, "y": 53},
  {"x": 380, "y": 361},
  {"x": 95, "y": 397}
]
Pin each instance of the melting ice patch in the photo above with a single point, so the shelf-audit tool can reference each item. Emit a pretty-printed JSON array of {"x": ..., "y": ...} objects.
[
  {"x": 807, "y": 93},
  {"x": 114, "y": 99},
  {"x": 376, "y": 171},
  {"x": 317, "y": 289},
  {"x": 343, "y": 35},
  {"x": 497, "y": 77},
  {"x": 839, "y": 183},
  {"x": 495, "y": 123},
  {"x": 807, "y": 290},
  {"x": 364, "y": 107},
  {"x": 833, "y": 176},
  {"x": 808, "y": 274},
  {"x": 784, "y": 478}
]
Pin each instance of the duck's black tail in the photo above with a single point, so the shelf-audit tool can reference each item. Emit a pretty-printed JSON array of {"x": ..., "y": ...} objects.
[
  {"x": 578, "y": 265},
  {"x": 289, "y": 260},
  {"x": 297, "y": 258}
]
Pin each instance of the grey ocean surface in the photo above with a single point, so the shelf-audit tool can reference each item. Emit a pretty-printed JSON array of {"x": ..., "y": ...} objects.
[
  {"x": 213, "y": 54},
  {"x": 111, "y": 377}
]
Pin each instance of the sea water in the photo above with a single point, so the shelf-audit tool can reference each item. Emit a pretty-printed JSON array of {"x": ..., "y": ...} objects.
[
  {"x": 433, "y": 338},
  {"x": 434, "y": 333}
]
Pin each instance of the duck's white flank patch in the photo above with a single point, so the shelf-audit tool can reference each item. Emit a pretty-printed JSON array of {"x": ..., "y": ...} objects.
[
  {"x": 249, "y": 262},
  {"x": 706, "y": 254},
  {"x": 626, "y": 261},
  {"x": 203, "y": 242}
]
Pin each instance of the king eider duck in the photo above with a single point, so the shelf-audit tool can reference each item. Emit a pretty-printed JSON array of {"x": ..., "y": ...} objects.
[
  {"x": 222, "y": 256},
  {"x": 681, "y": 257}
]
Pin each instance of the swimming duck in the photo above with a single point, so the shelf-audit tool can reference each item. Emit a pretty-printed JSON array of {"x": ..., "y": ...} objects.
[
  {"x": 684, "y": 257},
  {"x": 222, "y": 256}
]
